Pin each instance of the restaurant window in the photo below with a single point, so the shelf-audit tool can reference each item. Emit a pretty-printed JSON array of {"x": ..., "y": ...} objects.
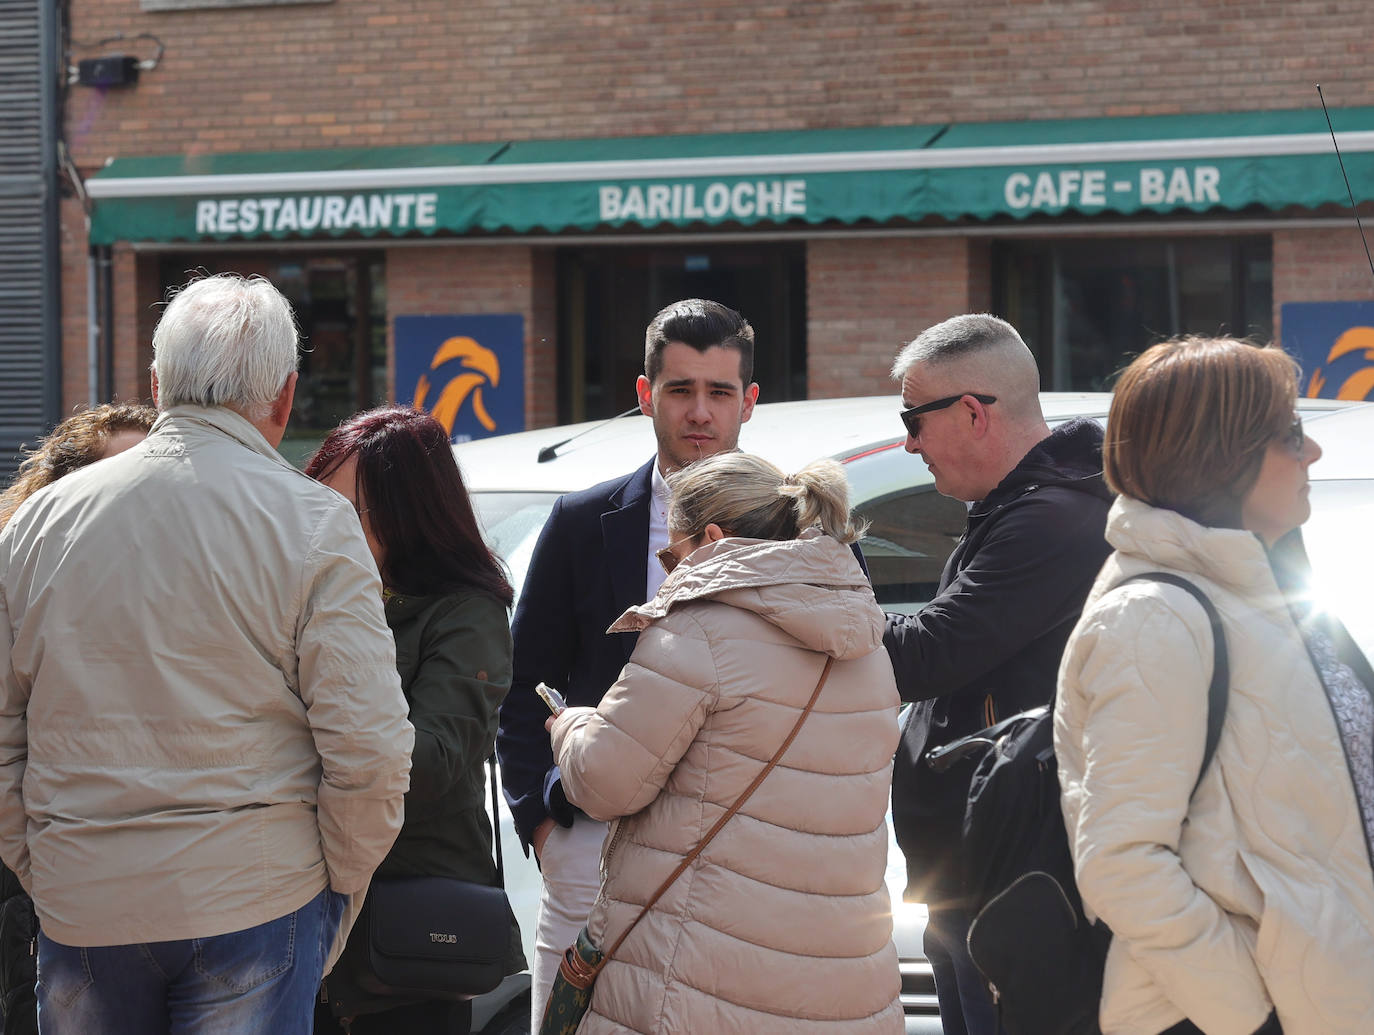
[
  {"x": 1087, "y": 307},
  {"x": 340, "y": 306}
]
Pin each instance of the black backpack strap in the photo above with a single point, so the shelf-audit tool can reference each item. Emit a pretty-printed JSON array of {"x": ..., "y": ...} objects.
[{"x": 1220, "y": 686}]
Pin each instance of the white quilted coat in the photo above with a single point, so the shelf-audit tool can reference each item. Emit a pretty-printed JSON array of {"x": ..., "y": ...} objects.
[
  {"x": 783, "y": 925},
  {"x": 1261, "y": 892}
]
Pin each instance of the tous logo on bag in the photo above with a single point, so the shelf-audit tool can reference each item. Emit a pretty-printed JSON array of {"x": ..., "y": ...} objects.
[{"x": 447, "y": 939}]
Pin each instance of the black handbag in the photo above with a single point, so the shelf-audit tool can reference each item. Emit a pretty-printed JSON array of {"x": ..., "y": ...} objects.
[
  {"x": 434, "y": 938},
  {"x": 430, "y": 938}
]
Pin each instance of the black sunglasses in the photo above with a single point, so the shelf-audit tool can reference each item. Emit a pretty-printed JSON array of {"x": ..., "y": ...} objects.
[{"x": 912, "y": 417}]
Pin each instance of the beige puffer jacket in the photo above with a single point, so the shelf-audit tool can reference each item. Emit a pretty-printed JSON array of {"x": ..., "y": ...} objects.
[
  {"x": 1261, "y": 891},
  {"x": 783, "y": 924}
]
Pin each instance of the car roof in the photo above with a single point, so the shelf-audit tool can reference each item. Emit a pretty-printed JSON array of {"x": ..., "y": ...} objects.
[
  {"x": 1346, "y": 437},
  {"x": 790, "y": 434}
]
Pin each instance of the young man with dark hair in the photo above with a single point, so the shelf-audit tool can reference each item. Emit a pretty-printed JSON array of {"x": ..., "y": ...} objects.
[{"x": 594, "y": 559}]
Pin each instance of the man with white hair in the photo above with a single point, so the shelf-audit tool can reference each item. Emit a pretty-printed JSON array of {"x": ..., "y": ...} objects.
[
  {"x": 989, "y": 644},
  {"x": 203, "y": 742}
]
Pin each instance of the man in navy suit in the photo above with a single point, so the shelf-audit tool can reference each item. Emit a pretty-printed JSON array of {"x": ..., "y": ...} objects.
[{"x": 595, "y": 558}]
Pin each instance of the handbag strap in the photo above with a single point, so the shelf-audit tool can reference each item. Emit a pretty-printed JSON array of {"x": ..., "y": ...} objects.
[
  {"x": 1219, "y": 689},
  {"x": 715, "y": 829},
  {"x": 496, "y": 823}
]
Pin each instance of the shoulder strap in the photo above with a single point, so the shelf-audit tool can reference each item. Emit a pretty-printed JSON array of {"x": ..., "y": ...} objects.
[
  {"x": 1220, "y": 686},
  {"x": 715, "y": 829},
  {"x": 496, "y": 823}
]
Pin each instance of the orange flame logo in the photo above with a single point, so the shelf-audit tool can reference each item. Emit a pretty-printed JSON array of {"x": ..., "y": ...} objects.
[
  {"x": 485, "y": 369},
  {"x": 1359, "y": 384}
]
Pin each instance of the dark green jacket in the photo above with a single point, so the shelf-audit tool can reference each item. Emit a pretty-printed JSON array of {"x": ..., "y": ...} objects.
[
  {"x": 453, "y": 652},
  {"x": 454, "y": 656}
]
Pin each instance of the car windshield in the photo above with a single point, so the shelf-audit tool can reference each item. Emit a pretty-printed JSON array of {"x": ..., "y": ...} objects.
[
  {"x": 512, "y": 522},
  {"x": 912, "y": 532}
]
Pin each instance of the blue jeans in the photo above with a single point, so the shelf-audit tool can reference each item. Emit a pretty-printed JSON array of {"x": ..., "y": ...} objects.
[
  {"x": 965, "y": 1002},
  {"x": 262, "y": 979}
]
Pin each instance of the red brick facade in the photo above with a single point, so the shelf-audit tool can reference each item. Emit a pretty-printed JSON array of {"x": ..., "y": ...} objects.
[
  {"x": 421, "y": 71},
  {"x": 366, "y": 73},
  {"x": 1320, "y": 266},
  {"x": 866, "y": 297}
]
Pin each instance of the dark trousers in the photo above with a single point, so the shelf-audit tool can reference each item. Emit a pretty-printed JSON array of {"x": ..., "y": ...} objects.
[
  {"x": 965, "y": 1003},
  {"x": 429, "y": 1018},
  {"x": 1270, "y": 1026}
]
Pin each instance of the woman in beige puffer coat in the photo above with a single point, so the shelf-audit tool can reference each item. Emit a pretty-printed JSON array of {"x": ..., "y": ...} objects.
[
  {"x": 1247, "y": 906},
  {"x": 783, "y": 924}
]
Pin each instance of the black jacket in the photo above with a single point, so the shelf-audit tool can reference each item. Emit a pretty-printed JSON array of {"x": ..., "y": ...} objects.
[
  {"x": 18, "y": 964},
  {"x": 989, "y": 644},
  {"x": 589, "y": 565}
]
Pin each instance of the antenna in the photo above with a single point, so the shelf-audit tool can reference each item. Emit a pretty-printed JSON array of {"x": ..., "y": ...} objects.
[
  {"x": 1353, "y": 207},
  {"x": 549, "y": 452}
]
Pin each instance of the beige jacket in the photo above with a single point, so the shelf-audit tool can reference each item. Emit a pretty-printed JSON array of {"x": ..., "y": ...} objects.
[
  {"x": 201, "y": 722},
  {"x": 1261, "y": 891},
  {"x": 783, "y": 924}
]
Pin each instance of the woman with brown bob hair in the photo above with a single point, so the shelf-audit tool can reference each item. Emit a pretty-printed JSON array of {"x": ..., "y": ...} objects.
[{"x": 1244, "y": 903}]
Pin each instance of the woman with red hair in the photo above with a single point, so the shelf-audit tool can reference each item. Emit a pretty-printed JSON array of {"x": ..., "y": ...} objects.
[{"x": 446, "y": 602}]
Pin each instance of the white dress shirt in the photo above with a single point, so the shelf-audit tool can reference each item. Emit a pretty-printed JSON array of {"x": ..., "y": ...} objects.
[{"x": 658, "y": 533}]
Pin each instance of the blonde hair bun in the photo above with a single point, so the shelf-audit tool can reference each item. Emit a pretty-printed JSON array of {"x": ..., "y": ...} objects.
[{"x": 753, "y": 499}]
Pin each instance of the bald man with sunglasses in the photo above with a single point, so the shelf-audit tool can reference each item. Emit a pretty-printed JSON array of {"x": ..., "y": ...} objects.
[{"x": 989, "y": 644}]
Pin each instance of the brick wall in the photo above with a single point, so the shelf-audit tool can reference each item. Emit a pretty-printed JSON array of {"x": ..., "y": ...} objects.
[
  {"x": 365, "y": 72},
  {"x": 867, "y": 297},
  {"x": 136, "y": 290},
  {"x": 482, "y": 279},
  {"x": 368, "y": 73},
  {"x": 1327, "y": 265}
]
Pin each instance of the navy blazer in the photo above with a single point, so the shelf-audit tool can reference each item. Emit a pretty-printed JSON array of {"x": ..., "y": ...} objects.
[{"x": 589, "y": 565}]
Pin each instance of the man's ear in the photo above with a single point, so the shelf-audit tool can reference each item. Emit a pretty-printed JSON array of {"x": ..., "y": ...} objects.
[
  {"x": 645, "y": 391},
  {"x": 281, "y": 405},
  {"x": 751, "y": 396},
  {"x": 713, "y": 533},
  {"x": 154, "y": 375},
  {"x": 976, "y": 414}
]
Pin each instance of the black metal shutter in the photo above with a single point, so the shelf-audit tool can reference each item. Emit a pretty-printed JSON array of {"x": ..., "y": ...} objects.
[{"x": 30, "y": 348}]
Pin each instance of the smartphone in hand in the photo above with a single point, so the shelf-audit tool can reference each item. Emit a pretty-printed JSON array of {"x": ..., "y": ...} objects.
[{"x": 551, "y": 697}]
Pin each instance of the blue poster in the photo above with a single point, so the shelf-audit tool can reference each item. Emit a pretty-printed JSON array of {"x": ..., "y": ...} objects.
[
  {"x": 1334, "y": 342},
  {"x": 468, "y": 371}
]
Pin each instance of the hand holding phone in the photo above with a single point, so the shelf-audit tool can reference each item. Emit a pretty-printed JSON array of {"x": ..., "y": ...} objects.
[{"x": 551, "y": 697}]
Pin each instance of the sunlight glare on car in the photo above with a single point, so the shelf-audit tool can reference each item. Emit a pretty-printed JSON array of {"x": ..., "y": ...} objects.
[{"x": 1337, "y": 539}]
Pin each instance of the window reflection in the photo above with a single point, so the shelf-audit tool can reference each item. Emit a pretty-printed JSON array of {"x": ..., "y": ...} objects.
[
  {"x": 1086, "y": 306},
  {"x": 910, "y": 536}
]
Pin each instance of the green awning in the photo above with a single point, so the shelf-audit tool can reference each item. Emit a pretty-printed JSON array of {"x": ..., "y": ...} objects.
[{"x": 881, "y": 175}]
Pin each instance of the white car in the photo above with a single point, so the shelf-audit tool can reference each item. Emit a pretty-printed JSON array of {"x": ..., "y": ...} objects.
[
  {"x": 912, "y": 531},
  {"x": 1340, "y": 534}
]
